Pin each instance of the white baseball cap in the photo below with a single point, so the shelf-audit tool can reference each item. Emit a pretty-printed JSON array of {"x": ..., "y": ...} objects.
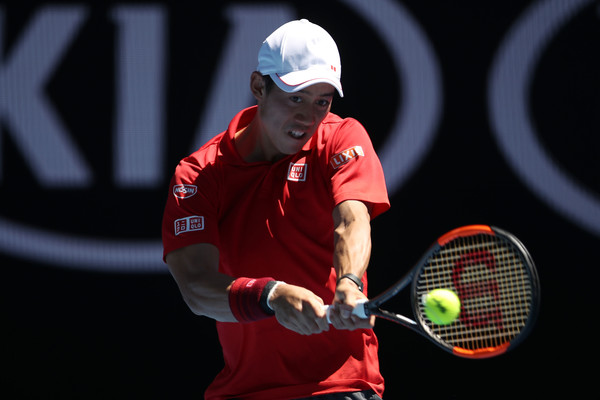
[{"x": 299, "y": 54}]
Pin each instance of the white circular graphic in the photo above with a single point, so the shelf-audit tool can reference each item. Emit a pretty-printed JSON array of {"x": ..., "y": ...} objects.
[
  {"x": 510, "y": 116},
  {"x": 414, "y": 129}
]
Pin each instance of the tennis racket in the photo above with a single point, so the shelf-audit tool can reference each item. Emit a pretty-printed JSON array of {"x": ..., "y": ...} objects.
[{"x": 495, "y": 279}]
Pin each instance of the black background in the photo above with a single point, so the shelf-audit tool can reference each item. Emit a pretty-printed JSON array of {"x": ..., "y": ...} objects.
[{"x": 70, "y": 334}]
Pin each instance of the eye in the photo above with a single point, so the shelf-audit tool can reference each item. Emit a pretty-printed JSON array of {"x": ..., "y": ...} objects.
[
  {"x": 323, "y": 103},
  {"x": 296, "y": 99}
]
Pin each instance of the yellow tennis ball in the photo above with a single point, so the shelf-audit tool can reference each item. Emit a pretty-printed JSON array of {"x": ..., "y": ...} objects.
[{"x": 442, "y": 306}]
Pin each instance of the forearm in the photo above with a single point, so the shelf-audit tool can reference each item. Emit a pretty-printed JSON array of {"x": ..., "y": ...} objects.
[
  {"x": 210, "y": 293},
  {"x": 352, "y": 250},
  {"x": 203, "y": 288},
  {"x": 223, "y": 298},
  {"x": 352, "y": 239},
  {"x": 209, "y": 296}
]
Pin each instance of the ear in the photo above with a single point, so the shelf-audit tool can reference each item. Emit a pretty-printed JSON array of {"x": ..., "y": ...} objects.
[{"x": 257, "y": 85}]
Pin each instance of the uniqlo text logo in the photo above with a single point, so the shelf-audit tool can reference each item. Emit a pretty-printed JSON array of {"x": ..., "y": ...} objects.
[
  {"x": 345, "y": 156},
  {"x": 189, "y": 224},
  {"x": 297, "y": 172}
]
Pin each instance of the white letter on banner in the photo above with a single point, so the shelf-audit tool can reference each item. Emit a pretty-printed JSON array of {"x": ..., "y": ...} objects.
[
  {"x": 230, "y": 90},
  {"x": 32, "y": 122},
  {"x": 138, "y": 145}
]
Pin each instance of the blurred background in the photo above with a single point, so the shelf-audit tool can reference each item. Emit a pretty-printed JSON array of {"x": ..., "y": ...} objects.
[{"x": 481, "y": 112}]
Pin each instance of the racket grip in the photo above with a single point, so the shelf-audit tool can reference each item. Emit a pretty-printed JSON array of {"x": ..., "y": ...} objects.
[{"x": 359, "y": 310}]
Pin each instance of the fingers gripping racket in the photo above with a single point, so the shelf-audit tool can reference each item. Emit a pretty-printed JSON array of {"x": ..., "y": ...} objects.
[{"x": 495, "y": 279}]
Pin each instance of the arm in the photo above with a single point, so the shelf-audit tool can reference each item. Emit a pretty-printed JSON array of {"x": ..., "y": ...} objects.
[
  {"x": 352, "y": 250},
  {"x": 206, "y": 292}
]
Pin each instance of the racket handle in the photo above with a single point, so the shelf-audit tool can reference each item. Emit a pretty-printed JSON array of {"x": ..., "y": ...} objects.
[{"x": 359, "y": 310}]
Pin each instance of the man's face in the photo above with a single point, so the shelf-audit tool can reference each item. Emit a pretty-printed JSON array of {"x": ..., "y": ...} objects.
[{"x": 289, "y": 120}]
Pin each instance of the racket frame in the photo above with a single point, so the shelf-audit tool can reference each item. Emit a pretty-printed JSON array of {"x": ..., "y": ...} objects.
[{"x": 373, "y": 306}]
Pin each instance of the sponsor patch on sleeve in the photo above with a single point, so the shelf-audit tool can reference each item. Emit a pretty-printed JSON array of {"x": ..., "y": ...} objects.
[
  {"x": 184, "y": 191},
  {"x": 345, "y": 156},
  {"x": 189, "y": 224}
]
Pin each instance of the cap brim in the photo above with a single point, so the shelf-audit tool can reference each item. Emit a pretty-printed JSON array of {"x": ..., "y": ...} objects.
[{"x": 298, "y": 80}]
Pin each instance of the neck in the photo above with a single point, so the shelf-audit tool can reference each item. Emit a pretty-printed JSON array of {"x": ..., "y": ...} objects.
[{"x": 248, "y": 144}]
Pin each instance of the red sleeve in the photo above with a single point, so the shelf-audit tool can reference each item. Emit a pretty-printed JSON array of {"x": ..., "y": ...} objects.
[
  {"x": 191, "y": 212},
  {"x": 355, "y": 169}
]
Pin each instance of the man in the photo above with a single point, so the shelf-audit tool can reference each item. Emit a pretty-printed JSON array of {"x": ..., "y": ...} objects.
[{"x": 270, "y": 220}]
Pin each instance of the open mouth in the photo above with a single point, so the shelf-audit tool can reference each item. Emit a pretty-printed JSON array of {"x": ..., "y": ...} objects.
[{"x": 296, "y": 134}]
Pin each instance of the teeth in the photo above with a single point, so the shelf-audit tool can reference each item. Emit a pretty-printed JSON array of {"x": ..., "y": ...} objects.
[{"x": 296, "y": 134}]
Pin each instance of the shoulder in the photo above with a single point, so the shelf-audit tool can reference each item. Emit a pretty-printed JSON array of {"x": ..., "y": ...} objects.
[
  {"x": 336, "y": 131},
  {"x": 334, "y": 122},
  {"x": 201, "y": 161}
]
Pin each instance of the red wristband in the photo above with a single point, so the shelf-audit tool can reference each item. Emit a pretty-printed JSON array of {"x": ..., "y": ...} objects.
[{"x": 245, "y": 299}]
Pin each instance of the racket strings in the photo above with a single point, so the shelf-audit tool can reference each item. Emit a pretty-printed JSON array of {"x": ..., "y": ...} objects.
[{"x": 491, "y": 278}]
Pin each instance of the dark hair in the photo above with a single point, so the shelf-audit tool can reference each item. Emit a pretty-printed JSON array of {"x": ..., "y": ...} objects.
[{"x": 268, "y": 83}]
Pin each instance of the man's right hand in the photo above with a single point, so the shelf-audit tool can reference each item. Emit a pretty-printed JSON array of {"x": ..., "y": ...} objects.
[{"x": 299, "y": 309}]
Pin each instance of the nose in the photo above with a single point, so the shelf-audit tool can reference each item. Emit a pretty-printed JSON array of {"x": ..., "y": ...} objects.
[{"x": 305, "y": 115}]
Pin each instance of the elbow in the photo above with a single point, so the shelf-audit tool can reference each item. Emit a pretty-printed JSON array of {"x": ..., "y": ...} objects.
[
  {"x": 196, "y": 305},
  {"x": 210, "y": 307}
]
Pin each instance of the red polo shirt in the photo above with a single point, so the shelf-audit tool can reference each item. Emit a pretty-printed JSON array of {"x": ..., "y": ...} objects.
[{"x": 275, "y": 219}]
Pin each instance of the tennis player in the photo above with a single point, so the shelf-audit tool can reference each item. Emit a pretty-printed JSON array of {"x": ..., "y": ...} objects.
[{"x": 270, "y": 220}]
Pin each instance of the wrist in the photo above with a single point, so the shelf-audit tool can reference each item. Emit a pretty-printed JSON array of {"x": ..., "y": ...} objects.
[
  {"x": 248, "y": 298},
  {"x": 351, "y": 277},
  {"x": 268, "y": 294}
]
